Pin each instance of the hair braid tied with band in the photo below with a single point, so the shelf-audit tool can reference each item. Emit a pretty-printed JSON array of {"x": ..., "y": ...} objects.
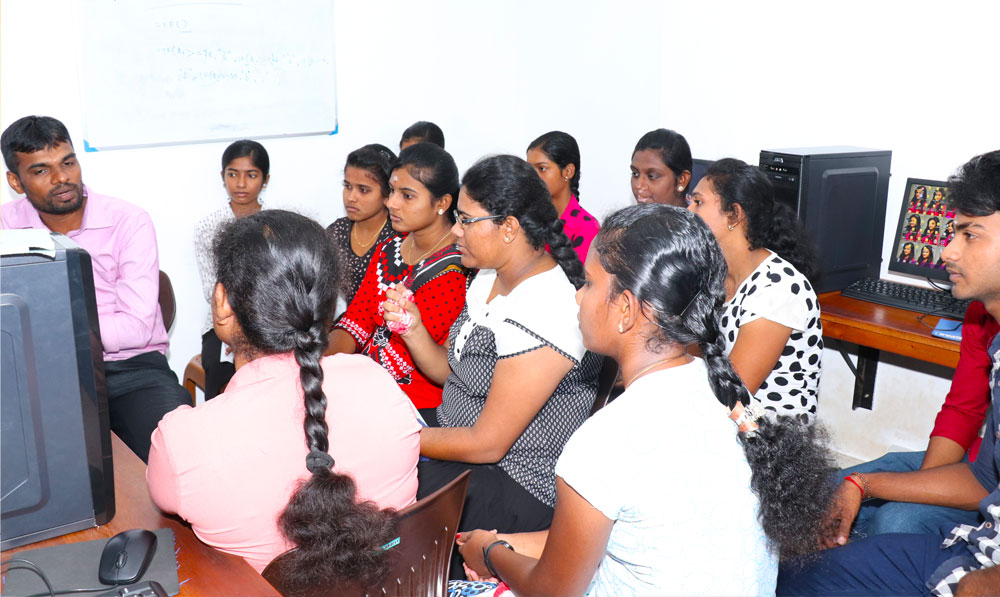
[{"x": 279, "y": 273}]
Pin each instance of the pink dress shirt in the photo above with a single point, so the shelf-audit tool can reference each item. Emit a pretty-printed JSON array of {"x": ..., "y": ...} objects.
[
  {"x": 121, "y": 242},
  {"x": 230, "y": 466}
]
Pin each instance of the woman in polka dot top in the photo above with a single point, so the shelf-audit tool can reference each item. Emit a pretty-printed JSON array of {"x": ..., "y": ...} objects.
[{"x": 771, "y": 318}]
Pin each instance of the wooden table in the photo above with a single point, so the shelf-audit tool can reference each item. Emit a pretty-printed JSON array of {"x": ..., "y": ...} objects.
[
  {"x": 202, "y": 570},
  {"x": 875, "y": 327}
]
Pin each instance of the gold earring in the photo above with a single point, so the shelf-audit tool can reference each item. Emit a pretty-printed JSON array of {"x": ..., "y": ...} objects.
[
  {"x": 731, "y": 227},
  {"x": 680, "y": 188},
  {"x": 621, "y": 329}
]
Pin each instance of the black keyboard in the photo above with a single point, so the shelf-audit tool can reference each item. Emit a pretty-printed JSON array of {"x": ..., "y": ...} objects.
[{"x": 904, "y": 296}]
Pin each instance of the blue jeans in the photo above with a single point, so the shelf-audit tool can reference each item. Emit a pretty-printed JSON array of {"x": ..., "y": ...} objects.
[
  {"x": 894, "y": 564},
  {"x": 878, "y": 517}
]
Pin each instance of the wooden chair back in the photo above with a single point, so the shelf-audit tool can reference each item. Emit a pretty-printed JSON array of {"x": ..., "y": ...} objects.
[{"x": 421, "y": 556}]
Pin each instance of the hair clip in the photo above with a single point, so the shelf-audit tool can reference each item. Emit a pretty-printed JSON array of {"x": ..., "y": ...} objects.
[{"x": 745, "y": 417}]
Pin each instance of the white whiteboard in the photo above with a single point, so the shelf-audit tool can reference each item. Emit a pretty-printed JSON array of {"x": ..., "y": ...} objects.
[{"x": 162, "y": 72}]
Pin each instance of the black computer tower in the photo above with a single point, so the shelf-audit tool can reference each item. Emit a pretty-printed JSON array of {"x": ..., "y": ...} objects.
[
  {"x": 55, "y": 441},
  {"x": 839, "y": 194}
]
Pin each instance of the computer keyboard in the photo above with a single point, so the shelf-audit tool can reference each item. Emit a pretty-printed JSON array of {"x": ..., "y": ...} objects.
[{"x": 904, "y": 296}]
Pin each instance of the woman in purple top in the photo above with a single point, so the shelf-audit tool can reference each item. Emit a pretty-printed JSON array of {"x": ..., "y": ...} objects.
[{"x": 556, "y": 157}]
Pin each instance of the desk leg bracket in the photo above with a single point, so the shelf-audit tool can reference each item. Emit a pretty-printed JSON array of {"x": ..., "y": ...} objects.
[{"x": 864, "y": 375}]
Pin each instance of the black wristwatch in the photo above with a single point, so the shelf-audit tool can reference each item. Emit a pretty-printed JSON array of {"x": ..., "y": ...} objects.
[{"x": 486, "y": 555}]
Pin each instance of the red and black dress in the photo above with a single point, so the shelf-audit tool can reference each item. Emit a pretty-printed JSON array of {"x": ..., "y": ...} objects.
[{"x": 438, "y": 284}]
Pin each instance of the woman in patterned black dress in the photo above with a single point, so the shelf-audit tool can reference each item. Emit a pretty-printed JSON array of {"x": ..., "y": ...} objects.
[
  {"x": 518, "y": 380},
  {"x": 366, "y": 225}
]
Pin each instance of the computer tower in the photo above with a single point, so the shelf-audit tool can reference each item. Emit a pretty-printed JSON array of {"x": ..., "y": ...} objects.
[
  {"x": 839, "y": 195},
  {"x": 55, "y": 458}
]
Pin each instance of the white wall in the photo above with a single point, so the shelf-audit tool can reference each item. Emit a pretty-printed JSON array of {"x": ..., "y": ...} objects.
[
  {"x": 733, "y": 77},
  {"x": 918, "y": 78}
]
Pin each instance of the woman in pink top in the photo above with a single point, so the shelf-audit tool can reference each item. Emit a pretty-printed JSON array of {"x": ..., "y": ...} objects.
[
  {"x": 238, "y": 468},
  {"x": 556, "y": 157}
]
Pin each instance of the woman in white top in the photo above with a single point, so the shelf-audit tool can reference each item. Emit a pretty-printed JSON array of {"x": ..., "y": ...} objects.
[
  {"x": 245, "y": 172},
  {"x": 771, "y": 320},
  {"x": 660, "y": 493}
]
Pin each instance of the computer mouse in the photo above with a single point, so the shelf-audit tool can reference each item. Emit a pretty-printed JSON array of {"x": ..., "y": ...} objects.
[{"x": 126, "y": 556}]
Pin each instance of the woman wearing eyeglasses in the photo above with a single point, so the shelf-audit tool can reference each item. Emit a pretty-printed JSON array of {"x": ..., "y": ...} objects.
[
  {"x": 424, "y": 259},
  {"x": 517, "y": 378}
]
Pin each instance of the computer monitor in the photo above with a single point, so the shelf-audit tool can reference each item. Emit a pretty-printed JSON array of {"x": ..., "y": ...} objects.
[
  {"x": 55, "y": 441},
  {"x": 925, "y": 227}
]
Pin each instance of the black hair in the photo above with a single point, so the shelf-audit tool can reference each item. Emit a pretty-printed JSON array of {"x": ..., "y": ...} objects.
[
  {"x": 770, "y": 224},
  {"x": 930, "y": 256},
  {"x": 902, "y": 252},
  {"x": 280, "y": 275},
  {"x": 506, "y": 185},
  {"x": 246, "y": 148},
  {"x": 562, "y": 149},
  {"x": 375, "y": 159},
  {"x": 667, "y": 257},
  {"x": 974, "y": 190},
  {"x": 426, "y": 132},
  {"x": 434, "y": 168},
  {"x": 672, "y": 147},
  {"x": 31, "y": 134}
]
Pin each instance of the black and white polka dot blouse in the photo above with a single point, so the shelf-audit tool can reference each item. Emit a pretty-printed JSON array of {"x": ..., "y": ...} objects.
[
  {"x": 778, "y": 292},
  {"x": 540, "y": 311}
]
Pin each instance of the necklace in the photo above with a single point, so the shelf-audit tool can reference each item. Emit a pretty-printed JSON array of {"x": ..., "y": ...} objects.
[
  {"x": 422, "y": 257},
  {"x": 645, "y": 370},
  {"x": 354, "y": 233}
]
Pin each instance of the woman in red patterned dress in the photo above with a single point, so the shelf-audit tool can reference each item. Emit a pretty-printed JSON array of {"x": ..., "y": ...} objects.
[{"x": 423, "y": 257}]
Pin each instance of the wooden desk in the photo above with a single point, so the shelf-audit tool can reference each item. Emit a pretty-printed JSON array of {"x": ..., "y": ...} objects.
[
  {"x": 875, "y": 327},
  {"x": 202, "y": 570}
]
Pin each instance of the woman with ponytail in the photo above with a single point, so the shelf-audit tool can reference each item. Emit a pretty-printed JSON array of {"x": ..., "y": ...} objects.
[
  {"x": 771, "y": 321},
  {"x": 238, "y": 468},
  {"x": 556, "y": 157},
  {"x": 517, "y": 378},
  {"x": 635, "y": 514}
]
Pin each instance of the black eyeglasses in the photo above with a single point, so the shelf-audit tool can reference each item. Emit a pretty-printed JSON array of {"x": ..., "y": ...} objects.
[{"x": 466, "y": 221}]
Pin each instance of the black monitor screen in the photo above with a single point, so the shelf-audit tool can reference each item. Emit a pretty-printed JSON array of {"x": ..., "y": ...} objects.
[{"x": 926, "y": 225}]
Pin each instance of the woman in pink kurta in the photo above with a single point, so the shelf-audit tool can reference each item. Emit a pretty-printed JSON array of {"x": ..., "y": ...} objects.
[
  {"x": 556, "y": 157},
  {"x": 239, "y": 467}
]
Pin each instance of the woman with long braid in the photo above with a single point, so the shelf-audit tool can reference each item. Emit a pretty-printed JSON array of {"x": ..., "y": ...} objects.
[
  {"x": 674, "y": 488},
  {"x": 517, "y": 378},
  {"x": 237, "y": 467}
]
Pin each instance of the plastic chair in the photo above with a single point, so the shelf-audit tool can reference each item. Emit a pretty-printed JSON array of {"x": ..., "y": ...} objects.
[
  {"x": 421, "y": 557},
  {"x": 168, "y": 305},
  {"x": 605, "y": 384}
]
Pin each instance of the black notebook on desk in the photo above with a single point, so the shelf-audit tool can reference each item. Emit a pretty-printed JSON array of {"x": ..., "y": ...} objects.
[{"x": 74, "y": 566}]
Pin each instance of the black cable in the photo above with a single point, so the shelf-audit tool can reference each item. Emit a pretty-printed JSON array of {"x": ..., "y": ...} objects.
[
  {"x": 51, "y": 593},
  {"x": 67, "y": 591},
  {"x": 34, "y": 568},
  {"x": 934, "y": 283}
]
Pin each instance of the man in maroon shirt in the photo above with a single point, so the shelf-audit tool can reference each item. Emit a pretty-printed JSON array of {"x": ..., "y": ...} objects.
[{"x": 955, "y": 435}]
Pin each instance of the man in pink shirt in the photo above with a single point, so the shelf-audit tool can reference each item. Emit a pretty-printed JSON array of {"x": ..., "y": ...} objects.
[{"x": 121, "y": 241}]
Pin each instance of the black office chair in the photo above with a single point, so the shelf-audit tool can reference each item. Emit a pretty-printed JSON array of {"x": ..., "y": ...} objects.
[
  {"x": 168, "y": 305},
  {"x": 605, "y": 384}
]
